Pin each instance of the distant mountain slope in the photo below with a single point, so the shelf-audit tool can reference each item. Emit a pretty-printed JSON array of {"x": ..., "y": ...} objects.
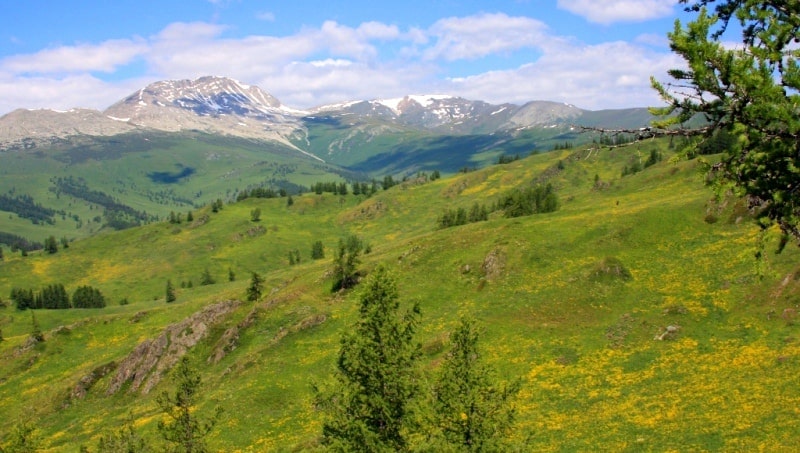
[
  {"x": 220, "y": 105},
  {"x": 219, "y": 136}
]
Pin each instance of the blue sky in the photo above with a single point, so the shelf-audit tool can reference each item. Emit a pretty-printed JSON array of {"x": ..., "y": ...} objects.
[{"x": 591, "y": 53}]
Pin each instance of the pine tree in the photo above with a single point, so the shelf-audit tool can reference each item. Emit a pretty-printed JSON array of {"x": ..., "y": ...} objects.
[
  {"x": 376, "y": 374},
  {"x": 470, "y": 411},
  {"x": 231, "y": 275},
  {"x": 317, "y": 250},
  {"x": 51, "y": 245},
  {"x": 36, "y": 331},
  {"x": 346, "y": 261},
  {"x": 184, "y": 431},
  {"x": 123, "y": 440},
  {"x": 206, "y": 278},
  {"x": 170, "y": 293},
  {"x": 256, "y": 288}
]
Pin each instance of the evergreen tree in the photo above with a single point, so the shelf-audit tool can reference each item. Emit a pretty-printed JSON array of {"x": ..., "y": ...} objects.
[
  {"x": 255, "y": 215},
  {"x": 23, "y": 299},
  {"x": 189, "y": 216},
  {"x": 64, "y": 243},
  {"x": 289, "y": 201},
  {"x": 231, "y": 275},
  {"x": 51, "y": 245},
  {"x": 88, "y": 297},
  {"x": 1, "y": 253},
  {"x": 470, "y": 410},
  {"x": 376, "y": 374},
  {"x": 256, "y": 288},
  {"x": 750, "y": 90},
  {"x": 123, "y": 440},
  {"x": 36, "y": 330},
  {"x": 183, "y": 430},
  {"x": 317, "y": 250},
  {"x": 346, "y": 261},
  {"x": 206, "y": 278},
  {"x": 170, "y": 293}
]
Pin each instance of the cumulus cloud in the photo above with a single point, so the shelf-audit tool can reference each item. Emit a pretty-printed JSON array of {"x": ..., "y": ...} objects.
[
  {"x": 467, "y": 38},
  {"x": 81, "y": 90},
  {"x": 608, "y": 75},
  {"x": 610, "y": 11},
  {"x": 334, "y": 62},
  {"x": 104, "y": 57}
]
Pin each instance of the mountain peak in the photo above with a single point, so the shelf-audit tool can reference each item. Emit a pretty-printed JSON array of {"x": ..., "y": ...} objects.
[
  {"x": 205, "y": 96},
  {"x": 210, "y": 103}
]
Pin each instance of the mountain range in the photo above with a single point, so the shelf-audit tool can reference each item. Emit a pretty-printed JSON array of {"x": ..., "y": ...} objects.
[{"x": 223, "y": 106}]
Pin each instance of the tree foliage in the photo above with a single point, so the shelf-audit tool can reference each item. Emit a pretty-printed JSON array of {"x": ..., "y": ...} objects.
[
  {"x": 317, "y": 250},
  {"x": 470, "y": 411},
  {"x": 88, "y": 297},
  {"x": 256, "y": 288},
  {"x": 183, "y": 430},
  {"x": 751, "y": 91},
  {"x": 346, "y": 261},
  {"x": 376, "y": 374},
  {"x": 535, "y": 199},
  {"x": 170, "y": 292},
  {"x": 123, "y": 440}
]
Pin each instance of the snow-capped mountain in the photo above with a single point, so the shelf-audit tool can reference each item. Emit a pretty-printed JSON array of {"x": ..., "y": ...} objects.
[
  {"x": 210, "y": 104},
  {"x": 449, "y": 114},
  {"x": 220, "y": 105}
]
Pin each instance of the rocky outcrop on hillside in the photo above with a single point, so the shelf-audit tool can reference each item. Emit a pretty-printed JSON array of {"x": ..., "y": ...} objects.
[{"x": 149, "y": 362}]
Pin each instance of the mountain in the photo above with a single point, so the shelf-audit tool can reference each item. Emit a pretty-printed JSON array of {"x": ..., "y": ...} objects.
[
  {"x": 220, "y": 105},
  {"x": 23, "y": 128},
  {"x": 181, "y": 144},
  {"x": 209, "y": 104}
]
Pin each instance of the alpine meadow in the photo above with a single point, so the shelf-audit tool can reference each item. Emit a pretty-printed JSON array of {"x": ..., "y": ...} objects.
[{"x": 199, "y": 268}]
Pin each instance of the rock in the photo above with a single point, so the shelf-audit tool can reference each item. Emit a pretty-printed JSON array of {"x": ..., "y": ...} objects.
[{"x": 147, "y": 364}]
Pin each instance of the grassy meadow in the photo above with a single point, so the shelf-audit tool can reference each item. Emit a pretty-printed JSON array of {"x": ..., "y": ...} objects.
[{"x": 571, "y": 303}]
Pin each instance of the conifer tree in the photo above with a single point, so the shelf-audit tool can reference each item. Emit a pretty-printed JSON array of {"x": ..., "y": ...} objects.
[
  {"x": 51, "y": 245},
  {"x": 346, "y": 261},
  {"x": 183, "y": 430},
  {"x": 36, "y": 331},
  {"x": 376, "y": 374},
  {"x": 750, "y": 90},
  {"x": 256, "y": 288},
  {"x": 470, "y": 411},
  {"x": 317, "y": 250},
  {"x": 123, "y": 440},
  {"x": 206, "y": 278},
  {"x": 170, "y": 292}
]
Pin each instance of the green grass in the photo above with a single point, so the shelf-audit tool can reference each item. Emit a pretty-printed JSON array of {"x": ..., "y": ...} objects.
[{"x": 593, "y": 375}]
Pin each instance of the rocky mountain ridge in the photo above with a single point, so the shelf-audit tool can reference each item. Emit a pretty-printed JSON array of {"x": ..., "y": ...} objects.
[{"x": 220, "y": 105}]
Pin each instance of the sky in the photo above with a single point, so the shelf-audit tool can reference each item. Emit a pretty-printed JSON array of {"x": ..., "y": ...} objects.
[{"x": 595, "y": 54}]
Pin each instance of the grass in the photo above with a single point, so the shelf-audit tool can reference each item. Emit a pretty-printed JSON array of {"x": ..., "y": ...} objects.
[{"x": 593, "y": 375}]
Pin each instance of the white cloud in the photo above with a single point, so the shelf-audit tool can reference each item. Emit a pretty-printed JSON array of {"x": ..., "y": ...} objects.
[
  {"x": 467, "y": 38},
  {"x": 609, "y": 75},
  {"x": 62, "y": 93},
  {"x": 266, "y": 16},
  {"x": 104, "y": 57},
  {"x": 334, "y": 63},
  {"x": 610, "y": 11}
]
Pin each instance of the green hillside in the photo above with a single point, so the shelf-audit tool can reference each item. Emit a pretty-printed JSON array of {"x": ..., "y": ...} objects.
[
  {"x": 571, "y": 303},
  {"x": 152, "y": 174}
]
